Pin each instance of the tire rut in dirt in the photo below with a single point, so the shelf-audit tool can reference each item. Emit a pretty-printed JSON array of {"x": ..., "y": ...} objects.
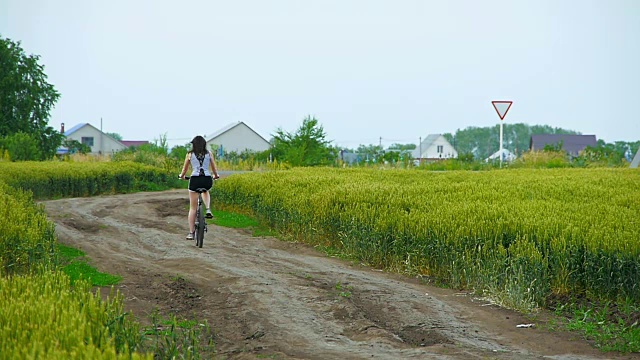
[
  {"x": 173, "y": 207},
  {"x": 82, "y": 225},
  {"x": 368, "y": 314}
]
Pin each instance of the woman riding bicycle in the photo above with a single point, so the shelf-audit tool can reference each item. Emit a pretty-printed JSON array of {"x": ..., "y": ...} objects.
[{"x": 201, "y": 161}]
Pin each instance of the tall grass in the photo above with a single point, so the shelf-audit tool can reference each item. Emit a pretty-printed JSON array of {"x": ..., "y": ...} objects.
[
  {"x": 27, "y": 238},
  {"x": 42, "y": 314},
  {"x": 44, "y": 317},
  {"x": 48, "y": 180}
]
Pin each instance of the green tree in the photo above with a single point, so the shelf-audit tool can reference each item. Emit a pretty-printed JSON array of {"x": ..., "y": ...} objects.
[
  {"x": 306, "y": 147},
  {"x": 179, "y": 152},
  {"x": 621, "y": 148},
  {"x": 609, "y": 154},
  {"x": 399, "y": 152},
  {"x": 371, "y": 153},
  {"x": 392, "y": 156},
  {"x": 26, "y": 98},
  {"x": 22, "y": 147}
]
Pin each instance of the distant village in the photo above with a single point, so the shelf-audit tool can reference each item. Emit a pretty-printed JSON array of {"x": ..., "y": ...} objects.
[{"x": 239, "y": 137}]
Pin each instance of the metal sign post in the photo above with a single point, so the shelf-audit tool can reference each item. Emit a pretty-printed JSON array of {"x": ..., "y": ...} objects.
[{"x": 502, "y": 107}]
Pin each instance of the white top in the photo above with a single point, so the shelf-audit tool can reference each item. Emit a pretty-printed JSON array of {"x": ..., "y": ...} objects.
[{"x": 195, "y": 164}]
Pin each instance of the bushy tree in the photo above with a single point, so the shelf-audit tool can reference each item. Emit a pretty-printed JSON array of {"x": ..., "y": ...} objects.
[
  {"x": 306, "y": 147},
  {"x": 619, "y": 149},
  {"x": 22, "y": 147},
  {"x": 26, "y": 98},
  {"x": 465, "y": 157},
  {"x": 179, "y": 152},
  {"x": 399, "y": 153},
  {"x": 605, "y": 154}
]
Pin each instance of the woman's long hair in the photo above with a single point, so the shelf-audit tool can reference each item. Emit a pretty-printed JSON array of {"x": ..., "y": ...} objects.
[{"x": 199, "y": 146}]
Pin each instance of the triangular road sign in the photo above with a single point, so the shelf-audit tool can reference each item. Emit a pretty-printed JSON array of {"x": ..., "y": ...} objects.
[{"x": 502, "y": 107}]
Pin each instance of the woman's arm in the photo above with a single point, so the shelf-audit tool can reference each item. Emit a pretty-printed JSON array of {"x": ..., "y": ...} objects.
[
  {"x": 185, "y": 166},
  {"x": 212, "y": 164}
]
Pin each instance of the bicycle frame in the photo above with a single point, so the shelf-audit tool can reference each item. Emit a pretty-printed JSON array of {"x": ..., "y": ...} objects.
[{"x": 200, "y": 222}]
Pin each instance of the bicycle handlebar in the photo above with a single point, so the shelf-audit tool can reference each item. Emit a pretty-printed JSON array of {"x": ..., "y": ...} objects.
[{"x": 189, "y": 177}]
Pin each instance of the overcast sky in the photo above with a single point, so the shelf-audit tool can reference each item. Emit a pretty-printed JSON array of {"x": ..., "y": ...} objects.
[{"x": 366, "y": 69}]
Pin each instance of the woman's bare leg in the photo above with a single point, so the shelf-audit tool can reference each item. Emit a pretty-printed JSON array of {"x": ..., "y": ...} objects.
[
  {"x": 193, "y": 205},
  {"x": 207, "y": 199}
]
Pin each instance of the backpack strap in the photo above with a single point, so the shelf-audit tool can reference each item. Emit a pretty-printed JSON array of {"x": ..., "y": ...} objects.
[{"x": 201, "y": 161}]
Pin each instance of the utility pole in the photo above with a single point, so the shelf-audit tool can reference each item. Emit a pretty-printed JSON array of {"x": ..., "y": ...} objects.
[{"x": 101, "y": 138}]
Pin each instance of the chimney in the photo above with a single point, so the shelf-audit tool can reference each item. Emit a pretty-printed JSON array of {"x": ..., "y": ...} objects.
[{"x": 62, "y": 129}]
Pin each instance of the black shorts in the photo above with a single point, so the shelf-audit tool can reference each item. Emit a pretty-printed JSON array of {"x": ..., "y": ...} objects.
[{"x": 200, "y": 182}]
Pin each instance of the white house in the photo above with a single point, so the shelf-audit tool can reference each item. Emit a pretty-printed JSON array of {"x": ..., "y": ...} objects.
[
  {"x": 237, "y": 137},
  {"x": 506, "y": 156},
  {"x": 99, "y": 142},
  {"x": 434, "y": 147}
]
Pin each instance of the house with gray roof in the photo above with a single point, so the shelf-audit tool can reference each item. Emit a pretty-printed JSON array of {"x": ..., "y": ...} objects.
[
  {"x": 572, "y": 144},
  {"x": 237, "y": 137},
  {"x": 99, "y": 142},
  {"x": 87, "y": 134}
]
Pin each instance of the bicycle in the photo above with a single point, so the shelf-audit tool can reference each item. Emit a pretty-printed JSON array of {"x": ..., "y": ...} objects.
[{"x": 201, "y": 223}]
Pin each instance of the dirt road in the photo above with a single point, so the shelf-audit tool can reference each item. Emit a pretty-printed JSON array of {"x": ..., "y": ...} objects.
[{"x": 274, "y": 299}]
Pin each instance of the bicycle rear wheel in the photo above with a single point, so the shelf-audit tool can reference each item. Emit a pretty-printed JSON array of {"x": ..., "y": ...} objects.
[{"x": 201, "y": 223}]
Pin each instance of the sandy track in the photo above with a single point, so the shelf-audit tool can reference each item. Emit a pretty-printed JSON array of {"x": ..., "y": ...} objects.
[{"x": 265, "y": 297}]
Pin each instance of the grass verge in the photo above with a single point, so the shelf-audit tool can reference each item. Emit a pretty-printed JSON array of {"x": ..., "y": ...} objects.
[
  {"x": 240, "y": 221},
  {"x": 607, "y": 326},
  {"x": 75, "y": 265}
]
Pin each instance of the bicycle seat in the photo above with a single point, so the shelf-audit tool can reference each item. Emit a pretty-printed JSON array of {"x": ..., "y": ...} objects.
[{"x": 201, "y": 190}]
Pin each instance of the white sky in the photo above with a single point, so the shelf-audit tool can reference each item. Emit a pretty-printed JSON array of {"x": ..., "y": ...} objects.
[{"x": 396, "y": 69}]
